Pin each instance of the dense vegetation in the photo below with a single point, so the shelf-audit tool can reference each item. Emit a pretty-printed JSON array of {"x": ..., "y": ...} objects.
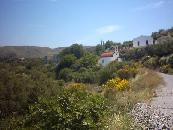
[
  {"x": 77, "y": 65},
  {"x": 43, "y": 95},
  {"x": 21, "y": 83},
  {"x": 76, "y": 93},
  {"x": 158, "y": 56},
  {"x": 109, "y": 44}
]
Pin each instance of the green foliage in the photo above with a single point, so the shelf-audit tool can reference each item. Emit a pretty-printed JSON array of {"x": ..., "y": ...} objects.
[
  {"x": 99, "y": 49},
  {"x": 21, "y": 85},
  {"x": 163, "y": 61},
  {"x": 164, "y": 68},
  {"x": 77, "y": 110},
  {"x": 86, "y": 76},
  {"x": 162, "y": 49},
  {"x": 170, "y": 60},
  {"x": 128, "y": 71},
  {"x": 109, "y": 44},
  {"x": 127, "y": 44},
  {"x": 162, "y": 33},
  {"x": 75, "y": 49},
  {"x": 89, "y": 60},
  {"x": 133, "y": 54},
  {"x": 65, "y": 74},
  {"x": 79, "y": 69},
  {"x": 110, "y": 71},
  {"x": 67, "y": 61},
  {"x": 152, "y": 62},
  {"x": 102, "y": 47}
]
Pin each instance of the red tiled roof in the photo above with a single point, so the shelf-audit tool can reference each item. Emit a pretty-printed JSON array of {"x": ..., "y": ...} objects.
[{"x": 107, "y": 54}]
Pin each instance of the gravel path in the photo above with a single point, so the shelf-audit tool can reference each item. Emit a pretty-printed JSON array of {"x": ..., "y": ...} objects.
[{"x": 158, "y": 113}]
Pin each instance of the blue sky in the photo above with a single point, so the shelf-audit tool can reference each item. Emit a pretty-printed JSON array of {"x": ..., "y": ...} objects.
[{"x": 56, "y": 23}]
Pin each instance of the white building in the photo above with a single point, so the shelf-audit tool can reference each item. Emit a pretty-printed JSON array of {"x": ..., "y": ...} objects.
[
  {"x": 142, "y": 41},
  {"x": 110, "y": 56}
]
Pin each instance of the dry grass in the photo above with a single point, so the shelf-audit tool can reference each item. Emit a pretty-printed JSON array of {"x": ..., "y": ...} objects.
[{"x": 145, "y": 83}]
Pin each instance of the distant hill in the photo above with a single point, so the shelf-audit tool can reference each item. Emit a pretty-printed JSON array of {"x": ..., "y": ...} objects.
[
  {"x": 33, "y": 51},
  {"x": 28, "y": 51}
]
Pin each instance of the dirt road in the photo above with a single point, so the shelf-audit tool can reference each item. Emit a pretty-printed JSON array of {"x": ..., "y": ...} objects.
[{"x": 158, "y": 113}]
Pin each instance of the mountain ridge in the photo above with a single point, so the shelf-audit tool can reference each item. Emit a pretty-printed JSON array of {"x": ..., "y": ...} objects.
[{"x": 32, "y": 51}]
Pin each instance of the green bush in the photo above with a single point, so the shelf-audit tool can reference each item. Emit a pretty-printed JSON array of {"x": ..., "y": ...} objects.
[
  {"x": 161, "y": 49},
  {"x": 60, "y": 82},
  {"x": 170, "y": 60},
  {"x": 87, "y": 76},
  {"x": 89, "y": 60},
  {"x": 77, "y": 110},
  {"x": 163, "y": 61},
  {"x": 152, "y": 62},
  {"x": 20, "y": 86},
  {"x": 165, "y": 68},
  {"x": 170, "y": 71},
  {"x": 110, "y": 71},
  {"x": 127, "y": 72},
  {"x": 66, "y": 62},
  {"x": 66, "y": 74},
  {"x": 76, "y": 49}
]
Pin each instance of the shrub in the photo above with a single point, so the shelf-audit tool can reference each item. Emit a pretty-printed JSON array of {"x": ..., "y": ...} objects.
[
  {"x": 170, "y": 71},
  {"x": 60, "y": 82},
  {"x": 110, "y": 70},
  {"x": 151, "y": 62},
  {"x": 117, "y": 83},
  {"x": 170, "y": 60},
  {"x": 127, "y": 72},
  {"x": 20, "y": 87},
  {"x": 161, "y": 49},
  {"x": 75, "y": 49},
  {"x": 89, "y": 60},
  {"x": 86, "y": 76},
  {"x": 76, "y": 86},
  {"x": 66, "y": 62},
  {"x": 65, "y": 74},
  {"x": 163, "y": 61},
  {"x": 77, "y": 110},
  {"x": 165, "y": 68}
]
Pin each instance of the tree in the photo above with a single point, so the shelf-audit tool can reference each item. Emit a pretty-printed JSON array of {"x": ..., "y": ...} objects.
[
  {"x": 75, "y": 49},
  {"x": 108, "y": 44},
  {"x": 88, "y": 60},
  {"x": 66, "y": 62},
  {"x": 65, "y": 74},
  {"x": 127, "y": 44},
  {"x": 99, "y": 49}
]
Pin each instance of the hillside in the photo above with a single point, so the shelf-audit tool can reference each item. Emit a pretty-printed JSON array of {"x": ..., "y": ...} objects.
[
  {"x": 33, "y": 51},
  {"x": 28, "y": 51}
]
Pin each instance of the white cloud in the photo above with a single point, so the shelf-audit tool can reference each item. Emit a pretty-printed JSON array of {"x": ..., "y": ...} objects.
[
  {"x": 108, "y": 29},
  {"x": 155, "y": 5}
]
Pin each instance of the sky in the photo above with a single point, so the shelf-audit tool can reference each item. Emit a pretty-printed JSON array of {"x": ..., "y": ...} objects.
[{"x": 59, "y": 23}]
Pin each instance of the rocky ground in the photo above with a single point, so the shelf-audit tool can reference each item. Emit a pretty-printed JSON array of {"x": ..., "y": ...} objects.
[{"x": 158, "y": 113}]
